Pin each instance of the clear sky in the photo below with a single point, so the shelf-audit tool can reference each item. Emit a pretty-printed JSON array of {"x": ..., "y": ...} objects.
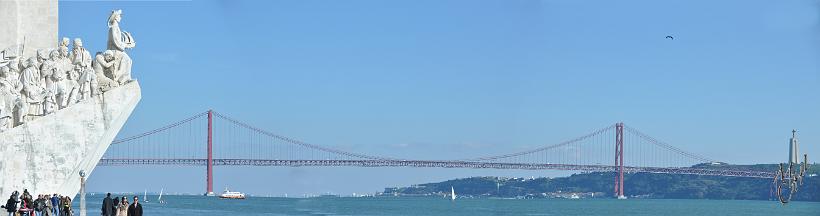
[{"x": 447, "y": 79}]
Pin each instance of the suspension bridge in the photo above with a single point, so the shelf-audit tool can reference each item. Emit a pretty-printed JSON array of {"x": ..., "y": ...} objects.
[{"x": 213, "y": 139}]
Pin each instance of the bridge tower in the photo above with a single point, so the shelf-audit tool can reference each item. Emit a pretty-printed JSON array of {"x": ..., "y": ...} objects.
[
  {"x": 209, "y": 182},
  {"x": 619, "y": 160}
]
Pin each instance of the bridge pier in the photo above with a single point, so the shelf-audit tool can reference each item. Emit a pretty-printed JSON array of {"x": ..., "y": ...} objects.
[
  {"x": 619, "y": 160},
  {"x": 209, "y": 182}
]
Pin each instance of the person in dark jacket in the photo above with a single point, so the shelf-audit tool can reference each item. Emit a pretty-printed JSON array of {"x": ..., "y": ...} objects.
[
  {"x": 55, "y": 204},
  {"x": 135, "y": 209},
  {"x": 11, "y": 205},
  {"x": 116, "y": 203},
  {"x": 66, "y": 206},
  {"x": 39, "y": 205},
  {"x": 108, "y": 206}
]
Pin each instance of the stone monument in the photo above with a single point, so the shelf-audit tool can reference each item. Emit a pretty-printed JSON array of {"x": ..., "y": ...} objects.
[{"x": 60, "y": 108}]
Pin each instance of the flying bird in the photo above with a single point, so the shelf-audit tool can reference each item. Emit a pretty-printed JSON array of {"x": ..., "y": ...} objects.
[{"x": 670, "y": 37}]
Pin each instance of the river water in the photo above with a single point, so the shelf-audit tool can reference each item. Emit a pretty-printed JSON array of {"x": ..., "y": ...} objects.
[{"x": 200, "y": 205}]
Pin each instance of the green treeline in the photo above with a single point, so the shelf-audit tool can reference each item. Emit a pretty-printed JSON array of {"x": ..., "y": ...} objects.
[{"x": 640, "y": 185}]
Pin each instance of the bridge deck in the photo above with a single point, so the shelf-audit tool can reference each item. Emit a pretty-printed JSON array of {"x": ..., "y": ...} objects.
[{"x": 435, "y": 164}]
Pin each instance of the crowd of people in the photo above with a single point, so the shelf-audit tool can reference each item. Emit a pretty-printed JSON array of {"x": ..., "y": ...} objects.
[
  {"x": 55, "y": 205},
  {"x": 121, "y": 207},
  {"x": 45, "y": 205}
]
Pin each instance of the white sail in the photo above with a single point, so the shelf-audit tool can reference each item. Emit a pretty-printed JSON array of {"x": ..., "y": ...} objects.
[
  {"x": 145, "y": 196},
  {"x": 160, "y": 195},
  {"x": 452, "y": 193}
]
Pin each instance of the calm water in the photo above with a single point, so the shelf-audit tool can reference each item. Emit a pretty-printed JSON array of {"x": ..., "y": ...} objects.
[{"x": 199, "y": 205}]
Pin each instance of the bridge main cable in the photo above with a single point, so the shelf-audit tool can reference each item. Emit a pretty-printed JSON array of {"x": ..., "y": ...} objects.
[
  {"x": 301, "y": 143},
  {"x": 172, "y": 125},
  {"x": 565, "y": 143},
  {"x": 667, "y": 146}
]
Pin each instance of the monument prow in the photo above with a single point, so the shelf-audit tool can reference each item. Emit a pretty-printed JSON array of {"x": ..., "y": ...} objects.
[{"x": 47, "y": 154}]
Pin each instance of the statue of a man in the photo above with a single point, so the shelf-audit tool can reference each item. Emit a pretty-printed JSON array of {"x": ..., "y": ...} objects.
[
  {"x": 50, "y": 66},
  {"x": 13, "y": 79},
  {"x": 33, "y": 90},
  {"x": 9, "y": 97},
  {"x": 64, "y": 90},
  {"x": 14, "y": 69},
  {"x": 79, "y": 56},
  {"x": 42, "y": 56},
  {"x": 118, "y": 42},
  {"x": 81, "y": 60},
  {"x": 65, "y": 63},
  {"x": 104, "y": 70},
  {"x": 64, "y": 42}
]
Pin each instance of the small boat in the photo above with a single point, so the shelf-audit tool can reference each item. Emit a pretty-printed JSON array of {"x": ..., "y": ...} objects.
[
  {"x": 159, "y": 199},
  {"x": 452, "y": 193},
  {"x": 145, "y": 196},
  {"x": 621, "y": 197},
  {"x": 232, "y": 195}
]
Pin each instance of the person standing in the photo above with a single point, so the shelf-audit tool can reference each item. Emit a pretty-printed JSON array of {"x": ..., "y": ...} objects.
[
  {"x": 122, "y": 207},
  {"x": 48, "y": 210},
  {"x": 108, "y": 206},
  {"x": 39, "y": 205},
  {"x": 27, "y": 198},
  {"x": 55, "y": 205},
  {"x": 135, "y": 209},
  {"x": 66, "y": 206},
  {"x": 116, "y": 203},
  {"x": 11, "y": 205}
]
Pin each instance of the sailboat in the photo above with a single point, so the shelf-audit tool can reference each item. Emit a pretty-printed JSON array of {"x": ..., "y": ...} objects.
[
  {"x": 452, "y": 193},
  {"x": 159, "y": 199},
  {"x": 145, "y": 196}
]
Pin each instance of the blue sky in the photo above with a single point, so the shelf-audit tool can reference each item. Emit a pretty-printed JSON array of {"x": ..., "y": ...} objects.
[{"x": 446, "y": 79}]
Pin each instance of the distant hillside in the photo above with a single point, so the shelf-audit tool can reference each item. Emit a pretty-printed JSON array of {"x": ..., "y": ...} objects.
[{"x": 644, "y": 185}]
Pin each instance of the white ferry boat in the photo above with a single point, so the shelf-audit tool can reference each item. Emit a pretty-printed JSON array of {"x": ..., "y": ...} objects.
[{"x": 232, "y": 195}]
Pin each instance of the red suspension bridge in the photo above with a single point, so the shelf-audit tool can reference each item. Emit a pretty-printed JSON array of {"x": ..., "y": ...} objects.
[{"x": 212, "y": 139}]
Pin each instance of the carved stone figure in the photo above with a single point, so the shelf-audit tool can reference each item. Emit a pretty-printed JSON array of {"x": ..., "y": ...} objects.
[
  {"x": 59, "y": 89},
  {"x": 65, "y": 91},
  {"x": 65, "y": 63},
  {"x": 79, "y": 56},
  {"x": 50, "y": 98},
  {"x": 118, "y": 42},
  {"x": 81, "y": 60},
  {"x": 14, "y": 69},
  {"x": 64, "y": 42},
  {"x": 42, "y": 56},
  {"x": 50, "y": 66},
  {"x": 16, "y": 87},
  {"x": 8, "y": 99},
  {"x": 104, "y": 70},
  {"x": 33, "y": 91}
]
